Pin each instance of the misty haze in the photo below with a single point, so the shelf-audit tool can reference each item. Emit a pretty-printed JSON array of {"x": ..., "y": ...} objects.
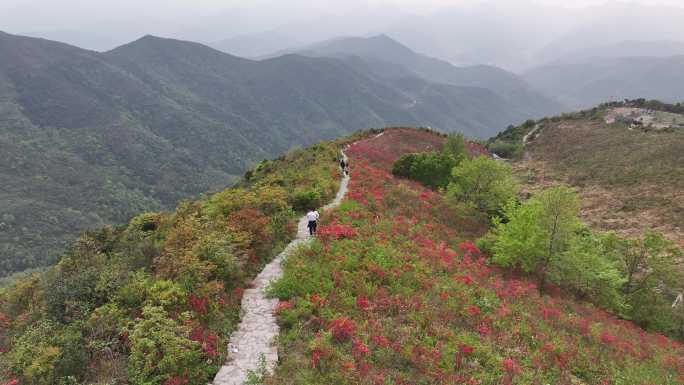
[{"x": 341, "y": 192}]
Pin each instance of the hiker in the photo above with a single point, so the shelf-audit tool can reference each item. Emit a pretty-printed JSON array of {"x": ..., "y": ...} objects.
[
  {"x": 343, "y": 165},
  {"x": 312, "y": 216}
]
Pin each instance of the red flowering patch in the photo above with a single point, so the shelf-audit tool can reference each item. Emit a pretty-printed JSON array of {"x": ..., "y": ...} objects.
[
  {"x": 208, "y": 339},
  {"x": 360, "y": 349},
  {"x": 422, "y": 305},
  {"x": 363, "y": 303},
  {"x": 199, "y": 304},
  {"x": 342, "y": 329},
  {"x": 474, "y": 311},
  {"x": 333, "y": 232},
  {"x": 466, "y": 350},
  {"x": 511, "y": 367},
  {"x": 176, "y": 381},
  {"x": 316, "y": 356},
  {"x": 608, "y": 338},
  {"x": 283, "y": 305}
]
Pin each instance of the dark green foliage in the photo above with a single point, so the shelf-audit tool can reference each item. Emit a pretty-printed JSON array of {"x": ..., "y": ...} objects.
[
  {"x": 432, "y": 169},
  {"x": 306, "y": 200},
  {"x": 507, "y": 150},
  {"x": 402, "y": 167}
]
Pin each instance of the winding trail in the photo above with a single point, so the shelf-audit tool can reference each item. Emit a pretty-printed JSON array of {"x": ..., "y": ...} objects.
[
  {"x": 258, "y": 328},
  {"x": 526, "y": 140}
]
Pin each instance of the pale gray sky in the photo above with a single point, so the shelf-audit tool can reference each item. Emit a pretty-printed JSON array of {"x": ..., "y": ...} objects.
[
  {"x": 32, "y": 15},
  {"x": 509, "y": 33}
]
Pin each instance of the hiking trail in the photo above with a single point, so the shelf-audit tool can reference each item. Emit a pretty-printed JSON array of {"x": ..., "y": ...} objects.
[
  {"x": 258, "y": 327},
  {"x": 526, "y": 140}
]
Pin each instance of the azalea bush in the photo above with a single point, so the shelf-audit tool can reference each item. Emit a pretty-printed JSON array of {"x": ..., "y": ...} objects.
[{"x": 407, "y": 298}]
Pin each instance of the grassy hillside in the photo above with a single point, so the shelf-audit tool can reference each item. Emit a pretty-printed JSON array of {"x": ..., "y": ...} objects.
[
  {"x": 630, "y": 179},
  {"x": 395, "y": 292},
  {"x": 88, "y": 139},
  {"x": 154, "y": 301}
]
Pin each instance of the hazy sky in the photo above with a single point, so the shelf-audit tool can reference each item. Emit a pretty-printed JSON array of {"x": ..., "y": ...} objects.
[
  {"x": 501, "y": 32},
  {"x": 36, "y": 15}
]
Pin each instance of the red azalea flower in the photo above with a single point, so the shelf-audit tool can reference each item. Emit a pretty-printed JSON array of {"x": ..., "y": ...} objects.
[
  {"x": 342, "y": 329},
  {"x": 474, "y": 311},
  {"x": 363, "y": 303},
  {"x": 466, "y": 350}
]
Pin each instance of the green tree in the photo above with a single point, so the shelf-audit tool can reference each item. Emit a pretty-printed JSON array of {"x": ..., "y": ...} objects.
[
  {"x": 483, "y": 183},
  {"x": 652, "y": 280},
  {"x": 455, "y": 147},
  {"x": 586, "y": 270},
  {"x": 538, "y": 232}
]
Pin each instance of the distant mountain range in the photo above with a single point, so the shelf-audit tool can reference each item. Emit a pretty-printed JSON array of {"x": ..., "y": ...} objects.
[
  {"x": 591, "y": 81},
  {"x": 388, "y": 58},
  {"x": 622, "y": 49},
  {"x": 90, "y": 138}
]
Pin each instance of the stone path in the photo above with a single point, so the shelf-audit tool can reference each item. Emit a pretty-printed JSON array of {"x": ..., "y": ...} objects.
[{"x": 258, "y": 328}]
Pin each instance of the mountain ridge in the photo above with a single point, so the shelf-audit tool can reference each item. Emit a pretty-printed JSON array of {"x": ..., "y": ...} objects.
[
  {"x": 158, "y": 120},
  {"x": 384, "y": 49}
]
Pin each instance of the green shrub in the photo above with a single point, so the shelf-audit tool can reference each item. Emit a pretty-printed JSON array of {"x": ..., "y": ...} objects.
[
  {"x": 303, "y": 200},
  {"x": 484, "y": 183},
  {"x": 402, "y": 167},
  {"x": 161, "y": 350},
  {"x": 506, "y": 150},
  {"x": 433, "y": 169},
  {"x": 145, "y": 223}
]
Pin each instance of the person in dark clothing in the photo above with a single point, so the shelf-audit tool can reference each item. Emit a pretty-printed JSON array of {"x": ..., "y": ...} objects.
[{"x": 344, "y": 165}]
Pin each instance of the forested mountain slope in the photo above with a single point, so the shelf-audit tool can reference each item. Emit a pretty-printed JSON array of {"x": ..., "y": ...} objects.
[
  {"x": 155, "y": 301},
  {"x": 388, "y": 57},
  {"x": 93, "y": 138}
]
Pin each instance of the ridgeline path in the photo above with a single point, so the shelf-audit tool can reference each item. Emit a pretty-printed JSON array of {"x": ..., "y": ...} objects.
[
  {"x": 258, "y": 328},
  {"x": 526, "y": 140}
]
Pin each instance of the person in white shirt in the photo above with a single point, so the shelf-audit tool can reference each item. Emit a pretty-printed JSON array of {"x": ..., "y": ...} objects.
[{"x": 312, "y": 216}]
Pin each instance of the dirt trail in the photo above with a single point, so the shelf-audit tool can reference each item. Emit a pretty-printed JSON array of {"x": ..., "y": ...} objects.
[
  {"x": 258, "y": 328},
  {"x": 526, "y": 139}
]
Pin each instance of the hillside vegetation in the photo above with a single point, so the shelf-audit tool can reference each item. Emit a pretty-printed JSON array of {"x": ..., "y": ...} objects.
[
  {"x": 404, "y": 284},
  {"x": 394, "y": 291},
  {"x": 630, "y": 178},
  {"x": 155, "y": 301},
  {"x": 88, "y": 139}
]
